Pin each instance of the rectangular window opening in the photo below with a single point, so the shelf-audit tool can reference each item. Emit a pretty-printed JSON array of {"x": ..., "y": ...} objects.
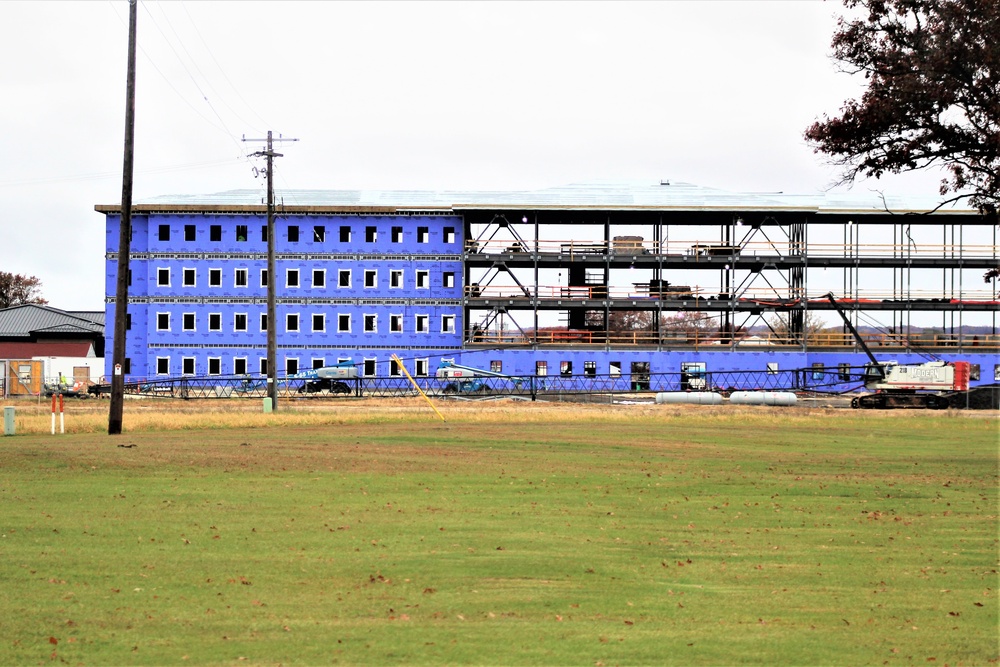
[{"x": 293, "y": 233}]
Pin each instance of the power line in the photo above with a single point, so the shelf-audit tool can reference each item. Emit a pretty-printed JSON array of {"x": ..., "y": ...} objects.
[
  {"x": 223, "y": 71},
  {"x": 96, "y": 176},
  {"x": 192, "y": 77}
]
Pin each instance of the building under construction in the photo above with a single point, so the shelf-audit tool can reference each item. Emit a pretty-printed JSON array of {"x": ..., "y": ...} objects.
[{"x": 575, "y": 282}]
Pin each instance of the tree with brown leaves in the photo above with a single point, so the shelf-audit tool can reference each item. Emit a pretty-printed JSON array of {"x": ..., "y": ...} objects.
[
  {"x": 16, "y": 290},
  {"x": 933, "y": 96}
]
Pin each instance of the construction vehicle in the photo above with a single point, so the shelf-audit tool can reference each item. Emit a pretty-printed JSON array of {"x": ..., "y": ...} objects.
[
  {"x": 469, "y": 380},
  {"x": 906, "y": 385},
  {"x": 329, "y": 379}
]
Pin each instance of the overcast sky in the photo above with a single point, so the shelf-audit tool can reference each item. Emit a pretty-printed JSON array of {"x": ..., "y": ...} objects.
[{"x": 409, "y": 95}]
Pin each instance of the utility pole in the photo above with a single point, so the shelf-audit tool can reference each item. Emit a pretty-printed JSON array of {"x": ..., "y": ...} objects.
[
  {"x": 272, "y": 279},
  {"x": 124, "y": 239}
]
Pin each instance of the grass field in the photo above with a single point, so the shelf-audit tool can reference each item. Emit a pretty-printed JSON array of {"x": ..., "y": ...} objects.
[{"x": 364, "y": 533}]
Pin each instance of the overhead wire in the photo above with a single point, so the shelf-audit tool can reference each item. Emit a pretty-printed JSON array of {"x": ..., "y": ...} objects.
[
  {"x": 194, "y": 81},
  {"x": 223, "y": 71},
  {"x": 166, "y": 79},
  {"x": 111, "y": 174}
]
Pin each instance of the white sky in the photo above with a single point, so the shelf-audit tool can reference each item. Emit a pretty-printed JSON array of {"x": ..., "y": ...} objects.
[{"x": 407, "y": 95}]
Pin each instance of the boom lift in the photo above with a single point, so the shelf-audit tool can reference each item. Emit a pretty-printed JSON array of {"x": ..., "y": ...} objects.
[
  {"x": 908, "y": 385},
  {"x": 469, "y": 380},
  {"x": 330, "y": 379}
]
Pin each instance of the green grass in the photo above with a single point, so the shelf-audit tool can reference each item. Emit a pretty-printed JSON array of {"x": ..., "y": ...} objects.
[{"x": 670, "y": 537}]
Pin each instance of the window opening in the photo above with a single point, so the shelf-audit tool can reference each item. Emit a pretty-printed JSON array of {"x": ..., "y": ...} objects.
[
  {"x": 640, "y": 375},
  {"x": 693, "y": 376}
]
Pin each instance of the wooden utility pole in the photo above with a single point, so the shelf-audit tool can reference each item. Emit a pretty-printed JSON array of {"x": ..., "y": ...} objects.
[
  {"x": 124, "y": 239},
  {"x": 272, "y": 279}
]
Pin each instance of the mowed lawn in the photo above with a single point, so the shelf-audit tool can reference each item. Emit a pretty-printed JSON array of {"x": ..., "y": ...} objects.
[{"x": 513, "y": 534}]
